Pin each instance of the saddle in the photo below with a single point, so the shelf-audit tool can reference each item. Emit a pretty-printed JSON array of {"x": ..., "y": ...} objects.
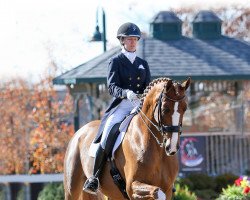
[{"x": 115, "y": 137}]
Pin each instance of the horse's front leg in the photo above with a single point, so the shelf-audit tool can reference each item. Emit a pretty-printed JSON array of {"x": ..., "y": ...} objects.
[{"x": 144, "y": 191}]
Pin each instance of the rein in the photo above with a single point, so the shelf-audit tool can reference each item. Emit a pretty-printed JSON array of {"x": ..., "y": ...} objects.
[{"x": 163, "y": 129}]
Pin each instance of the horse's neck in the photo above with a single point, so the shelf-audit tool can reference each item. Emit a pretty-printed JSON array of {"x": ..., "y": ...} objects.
[
  {"x": 147, "y": 120},
  {"x": 145, "y": 132},
  {"x": 147, "y": 117}
]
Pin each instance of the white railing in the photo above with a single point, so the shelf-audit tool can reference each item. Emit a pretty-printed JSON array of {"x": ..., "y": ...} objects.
[{"x": 34, "y": 178}]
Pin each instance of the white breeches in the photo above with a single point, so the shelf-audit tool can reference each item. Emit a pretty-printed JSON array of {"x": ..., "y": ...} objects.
[{"x": 122, "y": 110}]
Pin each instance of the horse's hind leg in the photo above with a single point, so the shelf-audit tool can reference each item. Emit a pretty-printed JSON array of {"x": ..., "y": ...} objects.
[
  {"x": 77, "y": 192},
  {"x": 73, "y": 185},
  {"x": 73, "y": 176}
]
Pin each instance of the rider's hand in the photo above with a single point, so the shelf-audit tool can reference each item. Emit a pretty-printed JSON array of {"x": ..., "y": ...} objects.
[{"x": 131, "y": 95}]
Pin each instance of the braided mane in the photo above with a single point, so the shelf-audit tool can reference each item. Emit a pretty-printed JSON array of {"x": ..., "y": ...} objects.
[{"x": 150, "y": 86}]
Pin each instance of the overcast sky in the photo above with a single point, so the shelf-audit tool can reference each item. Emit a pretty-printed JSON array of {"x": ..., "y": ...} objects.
[{"x": 33, "y": 31}]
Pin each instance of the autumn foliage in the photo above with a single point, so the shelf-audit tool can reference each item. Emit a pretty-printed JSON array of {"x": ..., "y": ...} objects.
[
  {"x": 35, "y": 127},
  {"x": 48, "y": 141},
  {"x": 15, "y": 106}
]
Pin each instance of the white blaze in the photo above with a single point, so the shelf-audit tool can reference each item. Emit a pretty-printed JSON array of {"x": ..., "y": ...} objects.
[{"x": 175, "y": 122}]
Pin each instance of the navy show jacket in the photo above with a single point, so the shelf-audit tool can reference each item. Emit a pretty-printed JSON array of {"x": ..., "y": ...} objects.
[{"x": 122, "y": 76}]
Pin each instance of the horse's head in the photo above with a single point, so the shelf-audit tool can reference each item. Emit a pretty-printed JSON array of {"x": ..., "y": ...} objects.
[{"x": 166, "y": 104}]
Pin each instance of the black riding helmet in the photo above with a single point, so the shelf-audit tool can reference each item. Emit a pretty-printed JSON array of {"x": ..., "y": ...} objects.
[{"x": 128, "y": 29}]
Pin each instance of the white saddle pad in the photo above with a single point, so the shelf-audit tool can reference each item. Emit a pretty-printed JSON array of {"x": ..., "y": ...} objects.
[{"x": 123, "y": 128}]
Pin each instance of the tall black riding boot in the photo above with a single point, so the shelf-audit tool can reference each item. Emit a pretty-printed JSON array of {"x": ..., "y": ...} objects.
[{"x": 92, "y": 184}]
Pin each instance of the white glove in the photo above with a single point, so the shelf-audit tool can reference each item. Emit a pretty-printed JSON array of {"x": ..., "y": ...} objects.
[{"x": 131, "y": 95}]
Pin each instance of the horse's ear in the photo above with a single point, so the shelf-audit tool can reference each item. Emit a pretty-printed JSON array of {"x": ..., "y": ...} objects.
[
  {"x": 186, "y": 83},
  {"x": 168, "y": 85}
]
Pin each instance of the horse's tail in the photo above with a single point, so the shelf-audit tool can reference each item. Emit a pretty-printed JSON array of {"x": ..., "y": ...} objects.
[{"x": 72, "y": 165}]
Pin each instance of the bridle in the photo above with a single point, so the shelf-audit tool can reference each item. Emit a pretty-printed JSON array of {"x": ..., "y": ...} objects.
[{"x": 163, "y": 129}]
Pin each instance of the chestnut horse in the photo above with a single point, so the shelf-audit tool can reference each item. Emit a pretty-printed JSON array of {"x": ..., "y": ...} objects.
[{"x": 146, "y": 158}]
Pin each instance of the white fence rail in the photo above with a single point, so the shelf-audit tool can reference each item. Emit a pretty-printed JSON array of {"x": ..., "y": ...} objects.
[{"x": 34, "y": 178}]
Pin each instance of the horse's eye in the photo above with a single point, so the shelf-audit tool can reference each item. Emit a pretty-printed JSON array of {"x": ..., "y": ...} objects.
[{"x": 166, "y": 110}]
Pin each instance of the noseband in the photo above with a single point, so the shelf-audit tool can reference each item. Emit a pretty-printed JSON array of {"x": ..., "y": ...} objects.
[{"x": 163, "y": 129}]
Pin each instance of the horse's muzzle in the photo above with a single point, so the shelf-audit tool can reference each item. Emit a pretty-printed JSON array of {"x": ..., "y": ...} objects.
[{"x": 169, "y": 151}]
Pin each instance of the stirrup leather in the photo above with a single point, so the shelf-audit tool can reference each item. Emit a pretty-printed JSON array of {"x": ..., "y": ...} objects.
[{"x": 91, "y": 185}]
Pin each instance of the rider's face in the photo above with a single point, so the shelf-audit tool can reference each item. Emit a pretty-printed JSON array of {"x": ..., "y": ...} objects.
[{"x": 130, "y": 43}]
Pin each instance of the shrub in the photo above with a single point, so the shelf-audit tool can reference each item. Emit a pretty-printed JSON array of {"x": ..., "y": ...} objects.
[
  {"x": 21, "y": 194},
  {"x": 2, "y": 193},
  {"x": 223, "y": 180},
  {"x": 183, "y": 193},
  {"x": 201, "y": 184},
  {"x": 2, "y": 196},
  {"x": 232, "y": 192},
  {"x": 198, "y": 182},
  {"x": 52, "y": 191},
  {"x": 239, "y": 191},
  {"x": 206, "y": 194}
]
